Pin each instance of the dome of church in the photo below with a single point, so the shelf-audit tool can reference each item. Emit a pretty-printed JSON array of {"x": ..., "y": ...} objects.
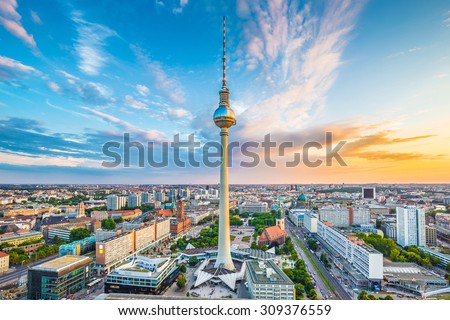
[{"x": 302, "y": 198}]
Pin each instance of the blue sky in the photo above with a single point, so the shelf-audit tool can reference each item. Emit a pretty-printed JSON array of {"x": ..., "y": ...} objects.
[{"x": 76, "y": 74}]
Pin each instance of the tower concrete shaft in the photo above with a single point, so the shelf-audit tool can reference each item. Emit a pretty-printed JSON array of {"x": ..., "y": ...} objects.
[{"x": 224, "y": 253}]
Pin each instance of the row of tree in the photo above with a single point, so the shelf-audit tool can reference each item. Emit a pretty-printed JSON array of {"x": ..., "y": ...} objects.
[
  {"x": 390, "y": 249},
  {"x": 303, "y": 283},
  {"x": 364, "y": 296}
]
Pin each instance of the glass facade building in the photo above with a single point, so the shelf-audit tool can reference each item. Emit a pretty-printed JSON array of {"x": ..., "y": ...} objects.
[{"x": 60, "y": 277}]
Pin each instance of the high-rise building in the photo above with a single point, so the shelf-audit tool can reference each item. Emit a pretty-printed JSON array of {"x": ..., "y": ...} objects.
[
  {"x": 122, "y": 202},
  {"x": 338, "y": 217},
  {"x": 112, "y": 202},
  {"x": 359, "y": 215},
  {"x": 411, "y": 226},
  {"x": 134, "y": 200},
  {"x": 145, "y": 197}
]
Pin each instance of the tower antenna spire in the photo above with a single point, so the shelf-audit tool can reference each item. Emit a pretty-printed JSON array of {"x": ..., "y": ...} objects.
[{"x": 224, "y": 76}]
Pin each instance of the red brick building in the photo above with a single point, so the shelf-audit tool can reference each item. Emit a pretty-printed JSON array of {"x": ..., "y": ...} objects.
[{"x": 272, "y": 236}]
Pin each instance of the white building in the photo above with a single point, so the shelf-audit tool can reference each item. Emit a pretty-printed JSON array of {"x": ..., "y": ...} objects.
[
  {"x": 134, "y": 200},
  {"x": 197, "y": 216},
  {"x": 365, "y": 259},
  {"x": 338, "y": 217},
  {"x": 297, "y": 216},
  {"x": 258, "y": 207},
  {"x": 310, "y": 221},
  {"x": 266, "y": 281},
  {"x": 411, "y": 226},
  {"x": 112, "y": 202},
  {"x": 122, "y": 202},
  {"x": 359, "y": 215}
]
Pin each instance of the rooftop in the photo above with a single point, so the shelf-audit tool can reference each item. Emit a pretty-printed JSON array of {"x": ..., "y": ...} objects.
[
  {"x": 267, "y": 272},
  {"x": 65, "y": 263}
]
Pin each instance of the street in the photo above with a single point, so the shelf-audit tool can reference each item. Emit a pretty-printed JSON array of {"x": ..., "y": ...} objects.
[
  {"x": 323, "y": 291},
  {"x": 21, "y": 271}
]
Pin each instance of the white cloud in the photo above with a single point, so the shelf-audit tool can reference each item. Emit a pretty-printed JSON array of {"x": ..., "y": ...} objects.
[
  {"x": 149, "y": 135},
  {"x": 301, "y": 51},
  {"x": 142, "y": 90},
  {"x": 168, "y": 85},
  {"x": 93, "y": 93},
  {"x": 133, "y": 103},
  {"x": 10, "y": 68},
  {"x": 179, "y": 113},
  {"x": 36, "y": 19},
  {"x": 53, "y": 86},
  {"x": 10, "y": 19},
  {"x": 89, "y": 44},
  {"x": 67, "y": 75},
  {"x": 33, "y": 160}
]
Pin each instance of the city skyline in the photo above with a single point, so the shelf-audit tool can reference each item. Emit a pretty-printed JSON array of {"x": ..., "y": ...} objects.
[{"x": 374, "y": 73}]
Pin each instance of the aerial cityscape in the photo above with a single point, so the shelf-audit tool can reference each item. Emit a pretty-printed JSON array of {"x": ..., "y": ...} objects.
[{"x": 172, "y": 150}]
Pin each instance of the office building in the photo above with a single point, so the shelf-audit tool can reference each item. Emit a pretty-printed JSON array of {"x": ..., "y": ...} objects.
[
  {"x": 58, "y": 278},
  {"x": 4, "y": 262},
  {"x": 111, "y": 251},
  {"x": 430, "y": 236},
  {"x": 368, "y": 193},
  {"x": 411, "y": 226},
  {"x": 365, "y": 259},
  {"x": 142, "y": 275},
  {"x": 338, "y": 217},
  {"x": 310, "y": 221},
  {"x": 266, "y": 281},
  {"x": 253, "y": 207},
  {"x": 359, "y": 216},
  {"x": 297, "y": 216}
]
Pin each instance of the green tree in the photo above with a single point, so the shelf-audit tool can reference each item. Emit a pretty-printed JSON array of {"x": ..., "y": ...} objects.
[
  {"x": 193, "y": 261},
  {"x": 181, "y": 282},
  {"x": 299, "y": 291},
  {"x": 312, "y": 244},
  {"x": 363, "y": 295},
  {"x": 79, "y": 234},
  {"x": 182, "y": 268},
  {"x": 448, "y": 267},
  {"x": 108, "y": 224},
  {"x": 388, "y": 297}
]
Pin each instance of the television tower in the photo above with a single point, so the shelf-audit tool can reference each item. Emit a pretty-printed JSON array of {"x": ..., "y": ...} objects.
[{"x": 224, "y": 118}]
